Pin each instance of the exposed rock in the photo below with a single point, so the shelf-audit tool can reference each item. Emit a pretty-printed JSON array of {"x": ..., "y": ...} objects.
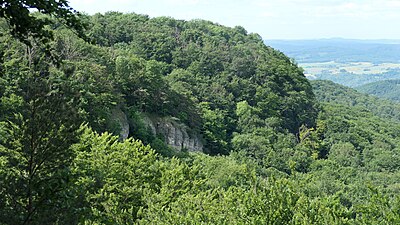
[
  {"x": 149, "y": 123},
  {"x": 122, "y": 121},
  {"x": 176, "y": 134}
]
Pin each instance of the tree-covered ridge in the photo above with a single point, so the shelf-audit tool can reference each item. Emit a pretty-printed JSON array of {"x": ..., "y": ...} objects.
[
  {"x": 359, "y": 141},
  {"x": 198, "y": 71},
  {"x": 388, "y": 89},
  {"x": 328, "y": 91}
]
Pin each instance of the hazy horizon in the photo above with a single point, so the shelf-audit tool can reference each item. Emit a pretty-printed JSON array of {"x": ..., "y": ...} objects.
[
  {"x": 334, "y": 38},
  {"x": 273, "y": 19}
]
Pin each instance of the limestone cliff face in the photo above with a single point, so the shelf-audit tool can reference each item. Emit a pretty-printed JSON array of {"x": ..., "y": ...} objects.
[
  {"x": 120, "y": 118},
  {"x": 176, "y": 134}
]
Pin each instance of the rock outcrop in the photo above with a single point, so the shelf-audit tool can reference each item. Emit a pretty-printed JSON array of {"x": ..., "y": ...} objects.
[
  {"x": 176, "y": 134},
  {"x": 120, "y": 118}
]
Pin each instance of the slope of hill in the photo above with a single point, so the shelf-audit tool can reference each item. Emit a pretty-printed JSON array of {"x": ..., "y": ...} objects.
[
  {"x": 192, "y": 74},
  {"x": 328, "y": 91},
  {"x": 212, "y": 67},
  {"x": 388, "y": 89},
  {"x": 355, "y": 131}
]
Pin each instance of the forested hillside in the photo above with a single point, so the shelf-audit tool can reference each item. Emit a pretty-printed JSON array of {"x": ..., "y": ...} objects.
[
  {"x": 328, "y": 91},
  {"x": 98, "y": 132},
  {"x": 214, "y": 69},
  {"x": 389, "y": 89}
]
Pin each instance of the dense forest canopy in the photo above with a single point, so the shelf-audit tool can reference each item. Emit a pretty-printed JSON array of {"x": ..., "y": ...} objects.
[
  {"x": 78, "y": 142},
  {"x": 389, "y": 89},
  {"x": 328, "y": 91}
]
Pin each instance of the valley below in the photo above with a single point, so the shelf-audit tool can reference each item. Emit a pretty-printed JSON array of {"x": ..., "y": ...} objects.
[{"x": 345, "y": 61}]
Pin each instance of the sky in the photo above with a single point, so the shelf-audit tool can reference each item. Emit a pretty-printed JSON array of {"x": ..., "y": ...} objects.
[{"x": 273, "y": 19}]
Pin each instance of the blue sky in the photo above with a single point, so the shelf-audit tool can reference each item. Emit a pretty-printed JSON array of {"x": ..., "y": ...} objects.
[{"x": 273, "y": 19}]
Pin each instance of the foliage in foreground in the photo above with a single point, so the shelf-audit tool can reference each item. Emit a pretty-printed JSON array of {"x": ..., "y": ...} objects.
[{"x": 114, "y": 182}]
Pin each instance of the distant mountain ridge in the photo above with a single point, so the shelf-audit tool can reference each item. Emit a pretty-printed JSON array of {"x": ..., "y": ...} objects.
[{"x": 339, "y": 50}]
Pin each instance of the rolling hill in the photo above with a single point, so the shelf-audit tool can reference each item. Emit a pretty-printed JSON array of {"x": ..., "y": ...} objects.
[{"x": 388, "y": 89}]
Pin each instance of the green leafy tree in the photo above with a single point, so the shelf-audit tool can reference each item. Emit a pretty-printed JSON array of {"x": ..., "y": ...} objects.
[
  {"x": 39, "y": 119},
  {"x": 112, "y": 178},
  {"x": 215, "y": 130},
  {"x": 25, "y": 24},
  {"x": 345, "y": 154}
]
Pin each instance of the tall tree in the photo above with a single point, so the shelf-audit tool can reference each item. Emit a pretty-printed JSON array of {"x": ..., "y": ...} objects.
[
  {"x": 24, "y": 24},
  {"x": 38, "y": 123}
]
